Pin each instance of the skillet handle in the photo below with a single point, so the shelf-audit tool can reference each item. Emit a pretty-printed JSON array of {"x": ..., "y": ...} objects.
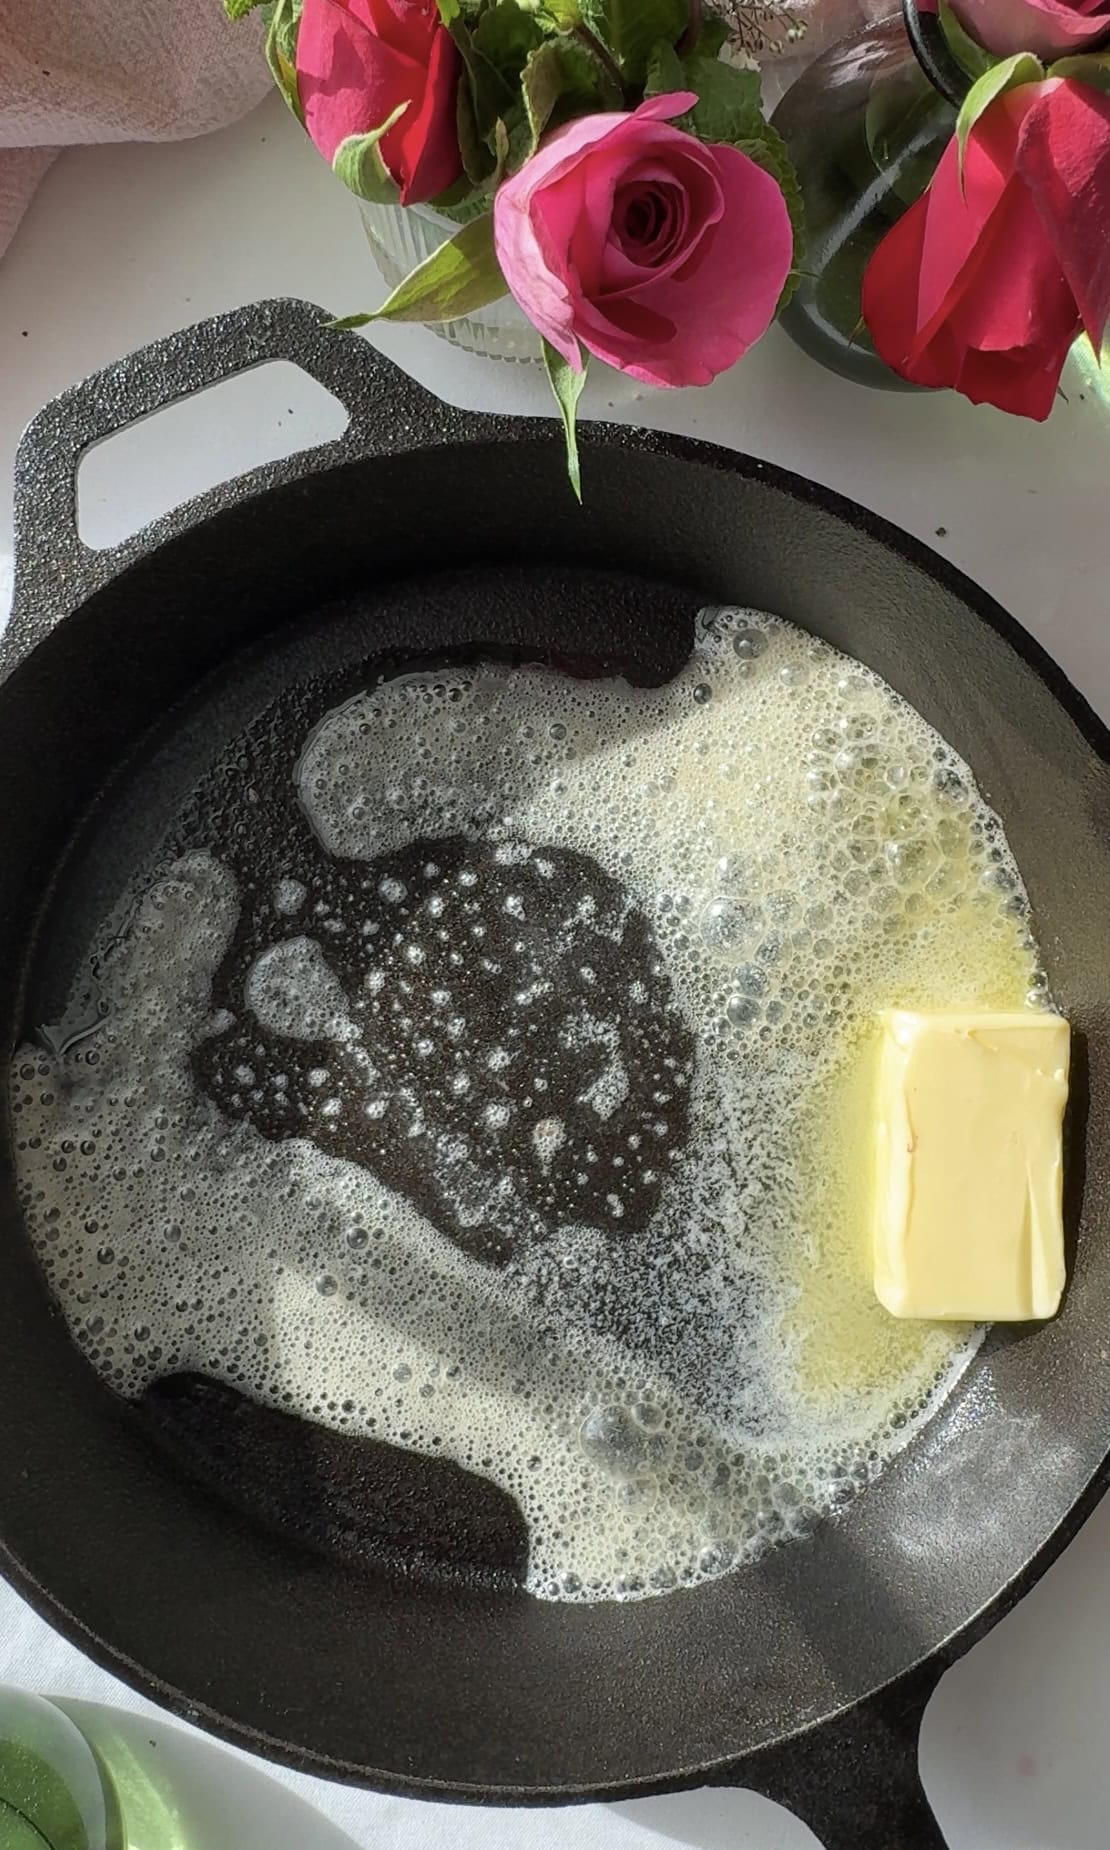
[
  {"x": 854, "y": 1781},
  {"x": 389, "y": 411}
]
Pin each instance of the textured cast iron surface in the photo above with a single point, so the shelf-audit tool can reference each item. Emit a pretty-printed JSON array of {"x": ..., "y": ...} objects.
[{"x": 427, "y": 1680}]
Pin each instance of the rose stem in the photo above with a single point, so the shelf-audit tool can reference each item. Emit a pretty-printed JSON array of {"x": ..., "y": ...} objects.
[
  {"x": 603, "y": 55},
  {"x": 692, "y": 33}
]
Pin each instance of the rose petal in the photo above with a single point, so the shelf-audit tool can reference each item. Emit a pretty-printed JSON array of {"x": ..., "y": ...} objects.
[
  {"x": 662, "y": 108},
  {"x": 890, "y": 294},
  {"x": 958, "y": 211},
  {"x": 533, "y": 266},
  {"x": 1018, "y": 297},
  {"x": 349, "y": 81},
  {"x": 1063, "y": 156},
  {"x": 423, "y": 147},
  {"x": 559, "y": 152},
  {"x": 591, "y": 196},
  {"x": 703, "y": 204},
  {"x": 1022, "y": 381},
  {"x": 718, "y": 304},
  {"x": 1048, "y": 28},
  {"x": 407, "y": 25}
]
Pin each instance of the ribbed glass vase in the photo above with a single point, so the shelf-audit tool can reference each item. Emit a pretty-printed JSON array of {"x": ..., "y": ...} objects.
[{"x": 401, "y": 237}]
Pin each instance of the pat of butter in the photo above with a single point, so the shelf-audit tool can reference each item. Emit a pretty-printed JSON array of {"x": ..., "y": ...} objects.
[{"x": 968, "y": 1184}]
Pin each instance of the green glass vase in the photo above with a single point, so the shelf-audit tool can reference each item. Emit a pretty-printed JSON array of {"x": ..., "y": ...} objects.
[
  {"x": 865, "y": 125},
  {"x": 72, "y": 1781}
]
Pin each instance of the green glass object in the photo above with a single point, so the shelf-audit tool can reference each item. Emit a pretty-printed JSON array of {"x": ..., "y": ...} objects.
[
  {"x": 71, "y": 1781},
  {"x": 51, "y": 1790},
  {"x": 865, "y": 128}
]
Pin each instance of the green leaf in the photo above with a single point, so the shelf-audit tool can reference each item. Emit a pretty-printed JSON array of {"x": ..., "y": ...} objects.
[
  {"x": 562, "y": 15},
  {"x": 464, "y": 202},
  {"x": 664, "y": 71},
  {"x": 969, "y": 55},
  {"x": 1086, "y": 68},
  {"x": 500, "y": 149},
  {"x": 358, "y": 162},
  {"x": 473, "y": 146},
  {"x": 567, "y": 387},
  {"x": 563, "y": 78},
  {"x": 505, "y": 36},
  {"x": 1022, "y": 68},
  {"x": 283, "y": 19},
  {"x": 515, "y": 140},
  {"x": 631, "y": 29},
  {"x": 729, "y": 106},
  {"x": 459, "y": 277},
  {"x": 448, "y": 10},
  {"x": 238, "y": 9},
  {"x": 489, "y": 92},
  {"x": 712, "y": 35}
]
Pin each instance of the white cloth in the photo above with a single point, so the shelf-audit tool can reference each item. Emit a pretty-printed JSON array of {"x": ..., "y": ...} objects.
[{"x": 80, "y": 71}]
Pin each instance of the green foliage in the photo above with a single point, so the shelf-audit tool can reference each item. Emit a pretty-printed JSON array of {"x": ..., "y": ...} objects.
[
  {"x": 567, "y": 387},
  {"x": 969, "y": 55},
  {"x": 1022, "y": 68},
  {"x": 560, "y": 15},
  {"x": 358, "y": 162},
  {"x": 562, "y": 79},
  {"x": 631, "y": 29},
  {"x": 665, "y": 70},
  {"x": 283, "y": 18},
  {"x": 461, "y": 276},
  {"x": 728, "y": 106},
  {"x": 1086, "y": 68},
  {"x": 506, "y": 35},
  {"x": 238, "y": 9}
]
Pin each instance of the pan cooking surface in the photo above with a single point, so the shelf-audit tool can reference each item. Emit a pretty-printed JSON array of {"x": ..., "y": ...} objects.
[{"x": 469, "y": 1062}]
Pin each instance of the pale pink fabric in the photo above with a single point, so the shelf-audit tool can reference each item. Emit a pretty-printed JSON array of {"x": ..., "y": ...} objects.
[{"x": 80, "y": 71}]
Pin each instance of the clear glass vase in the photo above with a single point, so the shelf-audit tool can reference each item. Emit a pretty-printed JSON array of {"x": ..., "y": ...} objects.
[
  {"x": 401, "y": 237},
  {"x": 865, "y": 127}
]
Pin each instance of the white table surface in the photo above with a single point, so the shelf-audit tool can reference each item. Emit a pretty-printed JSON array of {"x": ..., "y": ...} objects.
[{"x": 124, "y": 244}]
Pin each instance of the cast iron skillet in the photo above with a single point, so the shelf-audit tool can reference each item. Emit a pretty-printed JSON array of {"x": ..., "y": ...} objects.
[{"x": 359, "y": 1613}]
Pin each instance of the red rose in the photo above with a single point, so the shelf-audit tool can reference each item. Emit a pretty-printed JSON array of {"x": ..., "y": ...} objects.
[
  {"x": 1048, "y": 28},
  {"x": 358, "y": 60},
  {"x": 984, "y": 285}
]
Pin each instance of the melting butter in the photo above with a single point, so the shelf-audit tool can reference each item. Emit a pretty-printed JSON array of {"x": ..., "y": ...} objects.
[{"x": 802, "y": 850}]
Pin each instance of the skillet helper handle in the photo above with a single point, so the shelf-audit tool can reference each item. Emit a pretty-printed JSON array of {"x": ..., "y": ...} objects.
[
  {"x": 55, "y": 570},
  {"x": 855, "y": 1781}
]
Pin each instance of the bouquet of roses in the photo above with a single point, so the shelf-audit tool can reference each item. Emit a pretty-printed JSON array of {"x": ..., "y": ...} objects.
[{"x": 606, "y": 166}]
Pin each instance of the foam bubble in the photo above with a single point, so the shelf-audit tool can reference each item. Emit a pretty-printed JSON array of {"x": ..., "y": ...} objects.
[{"x": 532, "y": 1132}]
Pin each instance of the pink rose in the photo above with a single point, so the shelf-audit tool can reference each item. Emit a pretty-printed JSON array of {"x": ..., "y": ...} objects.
[
  {"x": 1048, "y": 28},
  {"x": 357, "y": 60},
  {"x": 662, "y": 255},
  {"x": 985, "y": 283}
]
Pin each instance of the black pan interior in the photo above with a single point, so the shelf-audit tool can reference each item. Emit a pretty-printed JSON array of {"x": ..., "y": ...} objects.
[{"x": 424, "y": 1666}]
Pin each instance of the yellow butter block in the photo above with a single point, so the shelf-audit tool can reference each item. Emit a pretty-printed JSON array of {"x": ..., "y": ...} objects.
[{"x": 969, "y": 1168}]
